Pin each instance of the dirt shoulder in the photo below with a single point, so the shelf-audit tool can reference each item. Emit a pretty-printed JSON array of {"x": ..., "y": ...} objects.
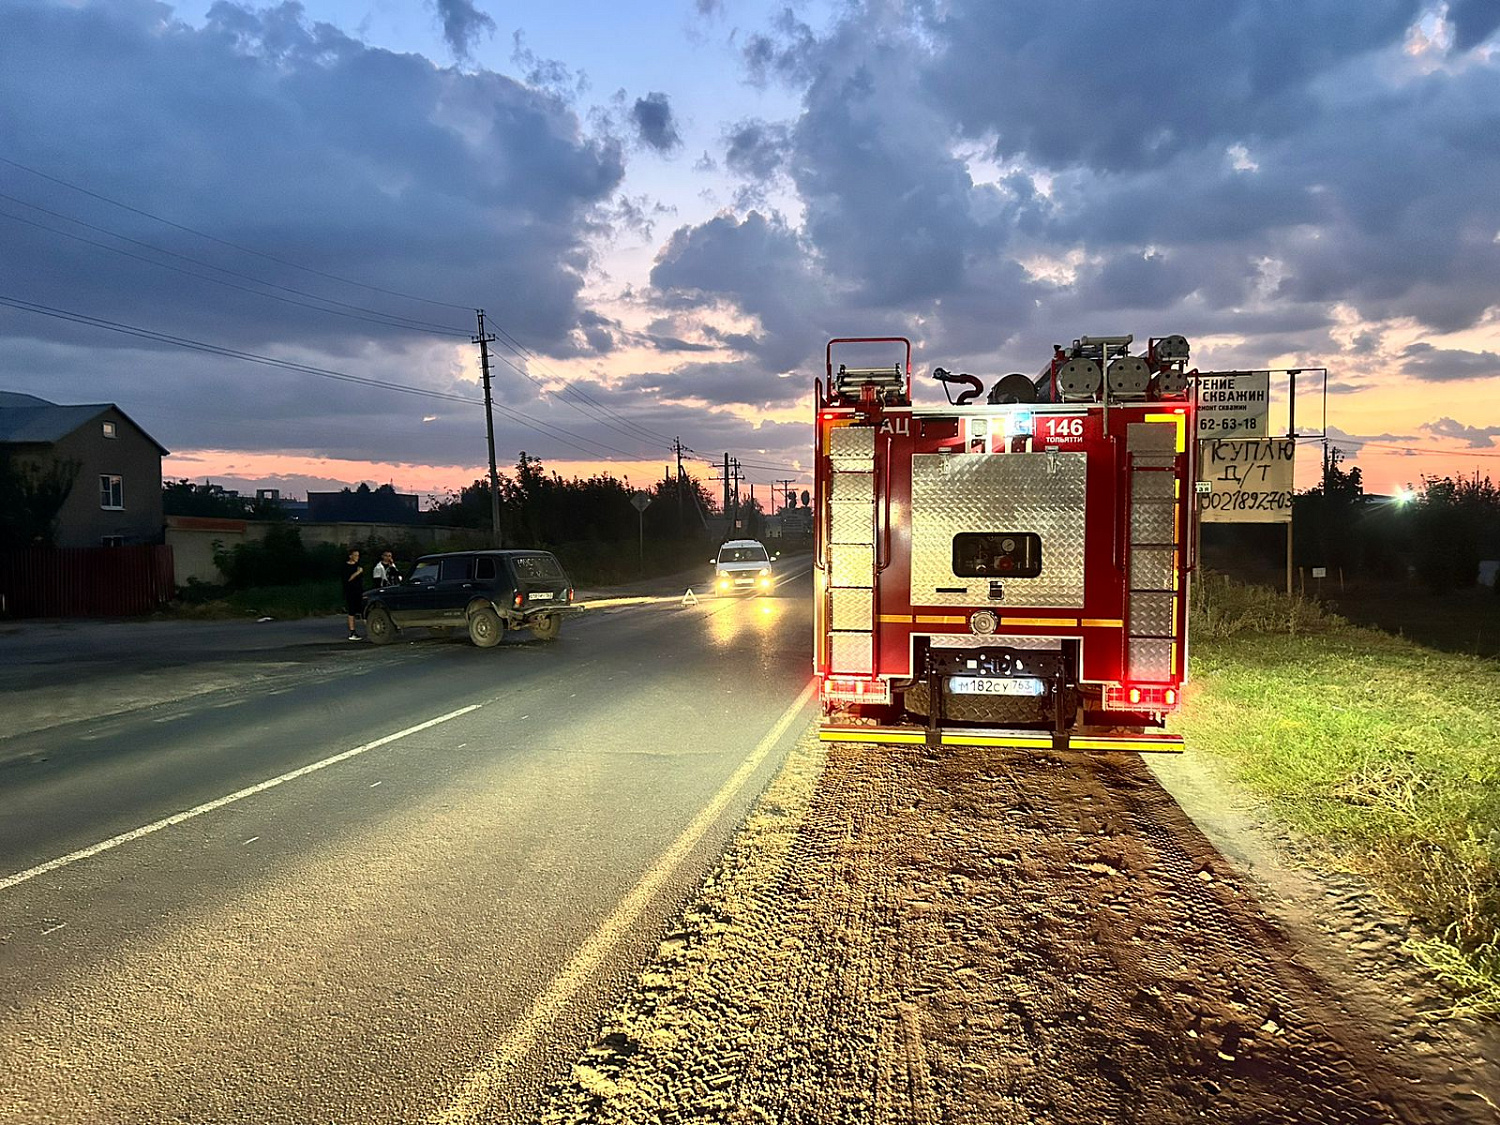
[{"x": 904, "y": 936}]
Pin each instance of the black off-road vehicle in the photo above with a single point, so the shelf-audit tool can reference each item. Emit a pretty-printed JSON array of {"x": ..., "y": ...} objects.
[{"x": 485, "y": 592}]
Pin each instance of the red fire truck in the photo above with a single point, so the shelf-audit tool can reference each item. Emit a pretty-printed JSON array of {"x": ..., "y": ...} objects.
[{"x": 1010, "y": 570}]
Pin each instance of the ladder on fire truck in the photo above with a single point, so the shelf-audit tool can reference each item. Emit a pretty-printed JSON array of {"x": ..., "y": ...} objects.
[
  {"x": 1153, "y": 550},
  {"x": 852, "y": 557}
]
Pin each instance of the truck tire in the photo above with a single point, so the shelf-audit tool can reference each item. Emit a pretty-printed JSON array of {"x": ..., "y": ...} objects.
[
  {"x": 485, "y": 628},
  {"x": 379, "y": 627},
  {"x": 547, "y": 627}
]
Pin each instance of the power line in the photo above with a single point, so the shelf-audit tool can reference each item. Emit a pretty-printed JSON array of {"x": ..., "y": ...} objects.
[
  {"x": 226, "y": 242},
  {"x": 557, "y": 433},
  {"x": 218, "y": 349},
  {"x": 392, "y": 322},
  {"x": 404, "y": 321},
  {"x": 605, "y": 415},
  {"x": 634, "y": 431},
  {"x": 380, "y": 318},
  {"x": 1414, "y": 449}
]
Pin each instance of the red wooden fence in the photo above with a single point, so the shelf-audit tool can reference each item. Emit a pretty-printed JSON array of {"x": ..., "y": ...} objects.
[{"x": 84, "y": 581}]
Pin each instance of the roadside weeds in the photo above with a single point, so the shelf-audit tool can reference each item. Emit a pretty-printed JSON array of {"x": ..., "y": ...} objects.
[{"x": 1379, "y": 753}]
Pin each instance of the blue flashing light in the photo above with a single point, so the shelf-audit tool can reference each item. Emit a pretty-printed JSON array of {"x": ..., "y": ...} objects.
[{"x": 1020, "y": 424}]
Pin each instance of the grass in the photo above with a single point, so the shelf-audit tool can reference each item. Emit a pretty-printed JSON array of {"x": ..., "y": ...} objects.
[
  {"x": 285, "y": 603},
  {"x": 1459, "y": 621},
  {"x": 1378, "y": 751}
]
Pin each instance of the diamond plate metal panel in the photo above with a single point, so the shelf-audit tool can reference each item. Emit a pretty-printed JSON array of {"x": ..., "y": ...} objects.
[
  {"x": 1153, "y": 522},
  {"x": 852, "y": 447},
  {"x": 1148, "y": 661},
  {"x": 851, "y": 565},
  {"x": 851, "y": 523},
  {"x": 851, "y": 652},
  {"x": 1151, "y": 437},
  {"x": 1151, "y": 614},
  {"x": 1150, "y": 568},
  {"x": 852, "y": 609},
  {"x": 1153, "y": 486},
  {"x": 853, "y": 487},
  {"x": 1037, "y": 492}
]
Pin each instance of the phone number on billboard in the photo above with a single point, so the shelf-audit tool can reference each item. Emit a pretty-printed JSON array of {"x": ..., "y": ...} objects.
[
  {"x": 1247, "y": 501},
  {"x": 1229, "y": 424}
]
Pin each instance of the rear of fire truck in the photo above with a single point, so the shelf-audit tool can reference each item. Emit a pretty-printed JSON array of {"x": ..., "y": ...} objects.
[{"x": 1009, "y": 570}]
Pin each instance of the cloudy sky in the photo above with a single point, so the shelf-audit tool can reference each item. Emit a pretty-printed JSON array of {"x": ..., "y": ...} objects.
[{"x": 667, "y": 207}]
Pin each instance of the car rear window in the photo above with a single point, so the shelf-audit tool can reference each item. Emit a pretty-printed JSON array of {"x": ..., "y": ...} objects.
[
  {"x": 536, "y": 567},
  {"x": 484, "y": 569}
]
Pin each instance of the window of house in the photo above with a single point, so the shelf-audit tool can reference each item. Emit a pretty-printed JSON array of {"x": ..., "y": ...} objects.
[
  {"x": 111, "y": 492},
  {"x": 112, "y": 541},
  {"x": 109, "y": 429}
]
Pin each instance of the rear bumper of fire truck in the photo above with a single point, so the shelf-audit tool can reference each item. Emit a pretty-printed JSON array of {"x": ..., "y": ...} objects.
[{"x": 1013, "y": 739}]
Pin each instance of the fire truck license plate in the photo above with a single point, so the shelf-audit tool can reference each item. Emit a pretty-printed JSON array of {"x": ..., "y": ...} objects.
[{"x": 995, "y": 685}]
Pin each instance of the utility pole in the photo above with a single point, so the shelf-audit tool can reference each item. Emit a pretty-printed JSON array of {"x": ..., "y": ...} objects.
[
  {"x": 484, "y": 341},
  {"x": 677, "y": 448},
  {"x": 788, "y": 484},
  {"x": 726, "y": 485}
]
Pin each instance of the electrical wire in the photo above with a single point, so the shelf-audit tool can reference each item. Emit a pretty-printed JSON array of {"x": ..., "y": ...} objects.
[
  {"x": 401, "y": 321},
  {"x": 567, "y": 437},
  {"x": 226, "y": 242},
  {"x": 379, "y": 319},
  {"x": 614, "y": 420},
  {"x": 218, "y": 349},
  {"x": 625, "y": 426},
  {"x": 611, "y": 419}
]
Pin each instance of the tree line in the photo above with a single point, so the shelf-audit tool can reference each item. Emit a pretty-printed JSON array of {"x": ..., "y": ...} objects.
[{"x": 1436, "y": 532}]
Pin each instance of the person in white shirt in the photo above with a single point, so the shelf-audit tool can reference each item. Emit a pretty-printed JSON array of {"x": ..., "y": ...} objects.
[{"x": 385, "y": 573}]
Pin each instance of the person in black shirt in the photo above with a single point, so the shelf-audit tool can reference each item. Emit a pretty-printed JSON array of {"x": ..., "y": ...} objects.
[{"x": 354, "y": 592}]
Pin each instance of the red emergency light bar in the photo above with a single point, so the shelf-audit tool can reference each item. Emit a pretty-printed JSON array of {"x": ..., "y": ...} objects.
[{"x": 1141, "y": 697}]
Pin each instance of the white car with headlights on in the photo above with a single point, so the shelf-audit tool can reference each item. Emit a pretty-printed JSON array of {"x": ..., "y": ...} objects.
[{"x": 743, "y": 566}]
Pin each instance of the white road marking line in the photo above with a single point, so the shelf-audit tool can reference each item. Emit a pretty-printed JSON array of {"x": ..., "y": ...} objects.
[
  {"x": 247, "y": 843},
  {"x": 373, "y": 784},
  {"x": 488, "y": 1078},
  {"x": 220, "y": 802},
  {"x": 54, "y": 929}
]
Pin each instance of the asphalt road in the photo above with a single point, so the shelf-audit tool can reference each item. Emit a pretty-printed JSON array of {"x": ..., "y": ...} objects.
[{"x": 348, "y": 883}]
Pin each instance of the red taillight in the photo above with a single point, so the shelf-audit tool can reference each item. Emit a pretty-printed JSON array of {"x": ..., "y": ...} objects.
[
  {"x": 1143, "y": 697},
  {"x": 519, "y": 599},
  {"x": 570, "y": 595}
]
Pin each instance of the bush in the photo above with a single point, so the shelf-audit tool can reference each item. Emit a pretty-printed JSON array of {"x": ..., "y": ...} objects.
[
  {"x": 279, "y": 559},
  {"x": 1222, "y": 607}
]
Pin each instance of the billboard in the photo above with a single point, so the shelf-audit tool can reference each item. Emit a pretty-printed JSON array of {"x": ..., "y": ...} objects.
[
  {"x": 1233, "y": 404},
  {"x": 1247, "y": 481}
]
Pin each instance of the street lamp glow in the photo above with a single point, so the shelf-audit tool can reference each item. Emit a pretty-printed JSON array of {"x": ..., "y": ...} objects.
[{"x": 1405, "y": 496}]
